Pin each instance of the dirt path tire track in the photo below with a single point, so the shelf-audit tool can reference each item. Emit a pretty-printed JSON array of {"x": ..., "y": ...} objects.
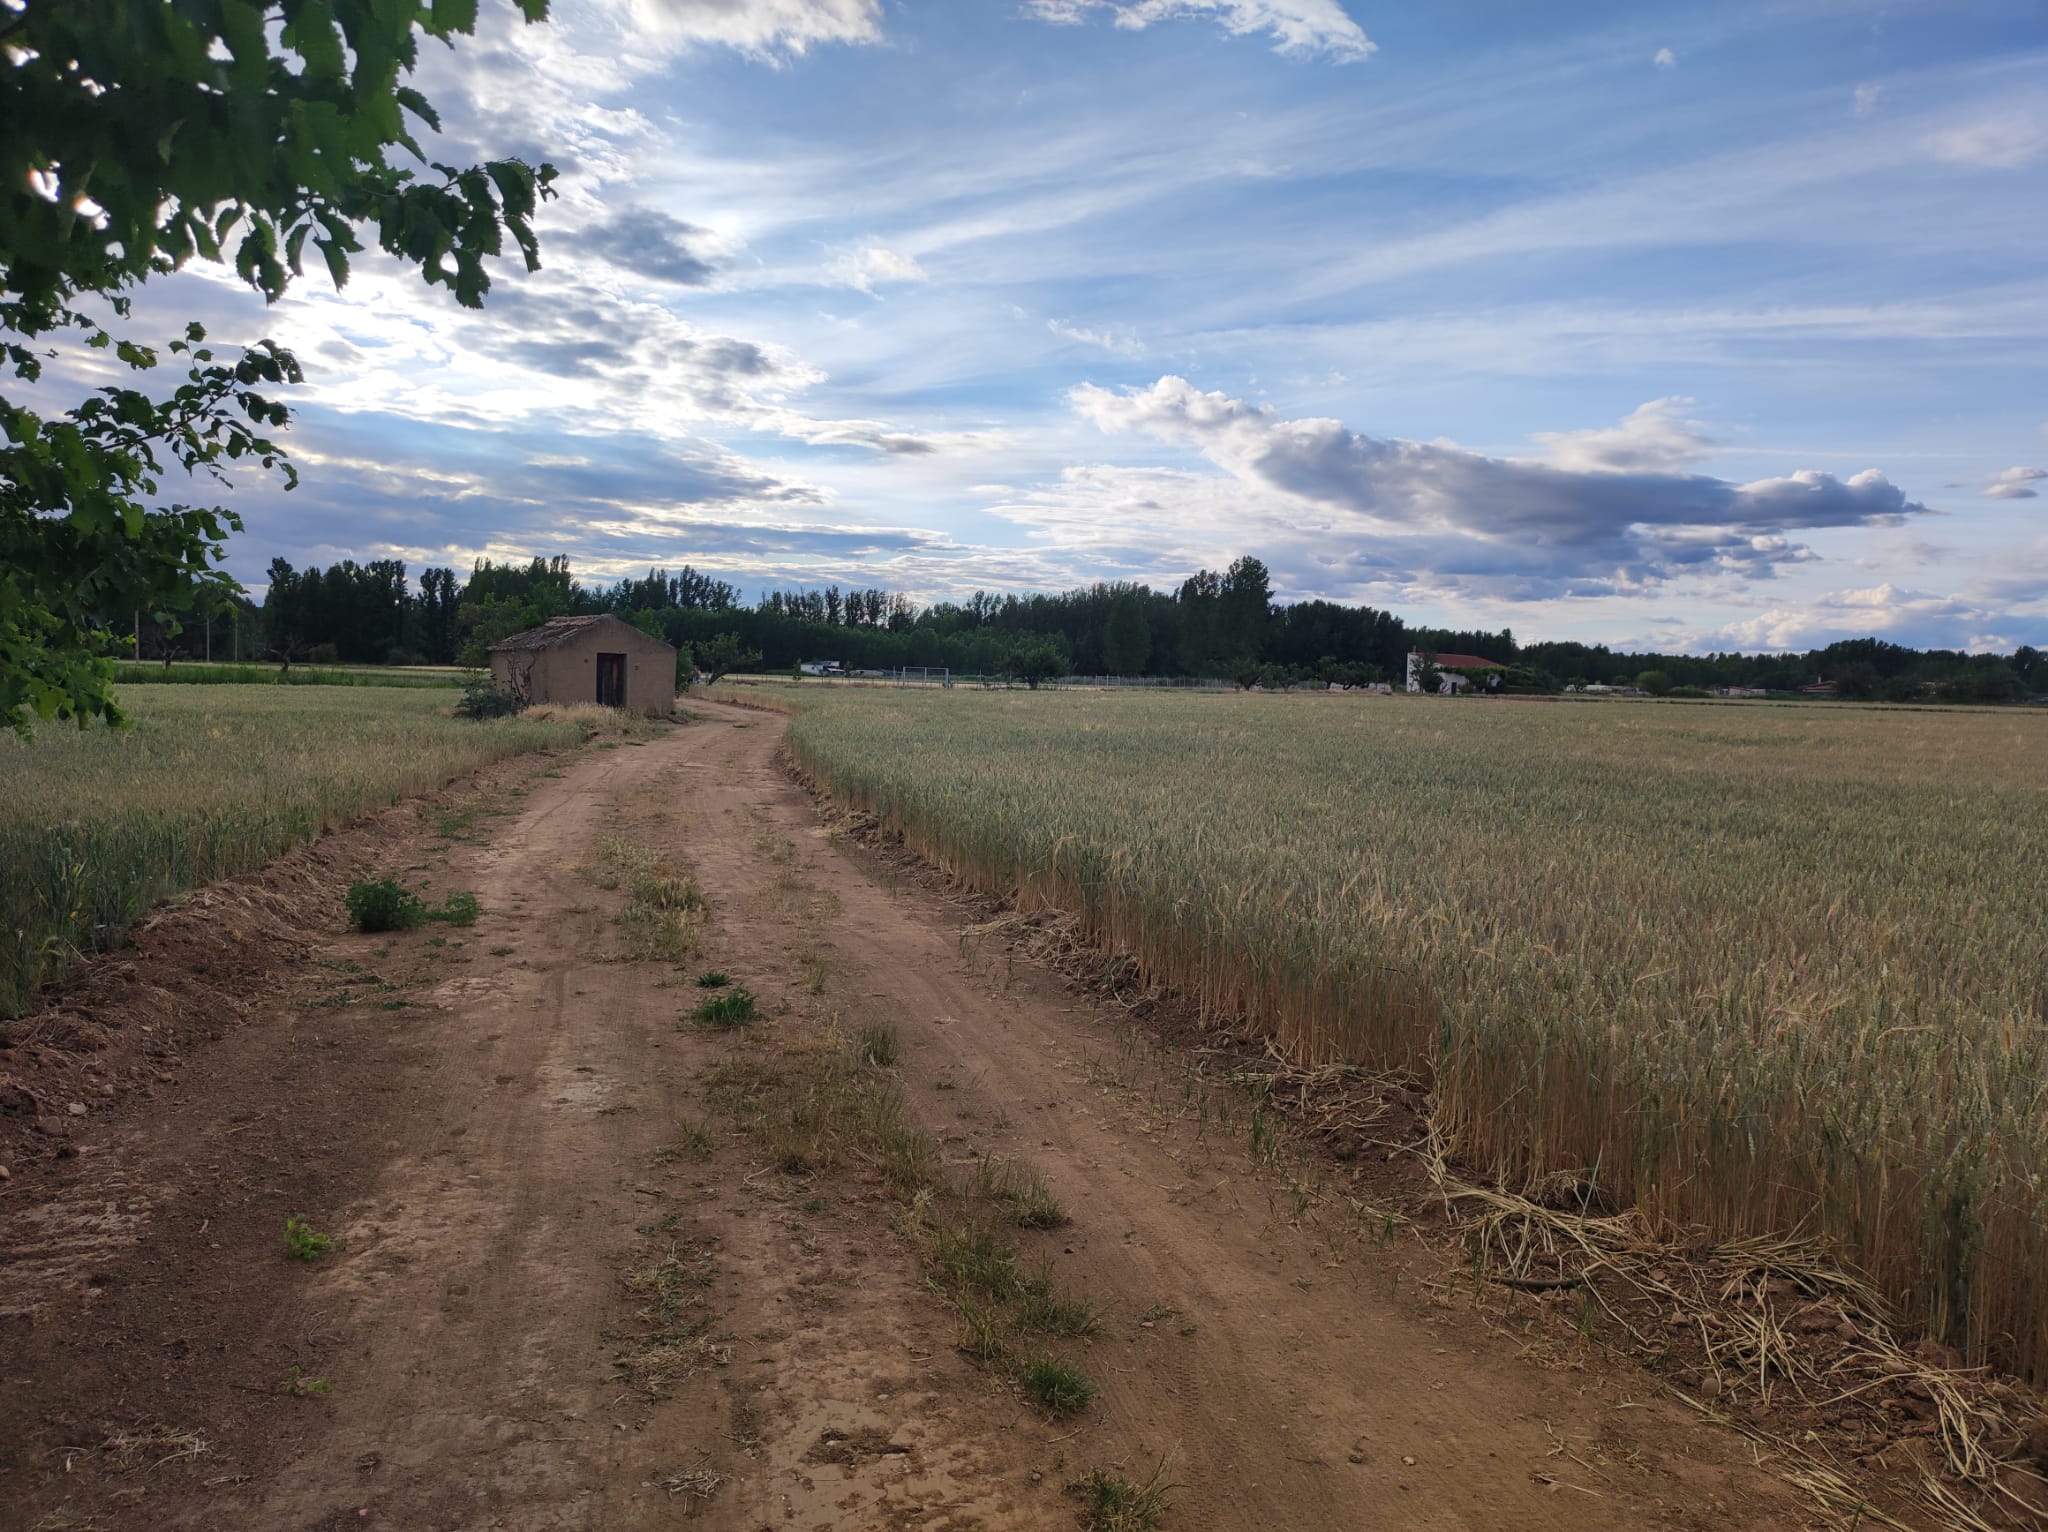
[{"x": 494, "y": 1156}]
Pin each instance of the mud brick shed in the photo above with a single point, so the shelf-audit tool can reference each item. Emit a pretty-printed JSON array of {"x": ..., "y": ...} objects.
[{"x": 587, "y": 659}]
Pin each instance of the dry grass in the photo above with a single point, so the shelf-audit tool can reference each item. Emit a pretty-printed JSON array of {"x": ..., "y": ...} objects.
[
  {"x": 664, "y": 909},
  {"x": 1751, "y": 969}
]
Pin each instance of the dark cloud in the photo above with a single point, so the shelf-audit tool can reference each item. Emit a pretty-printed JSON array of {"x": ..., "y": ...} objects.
[
  {"x": 647, "y": 242},
  {"x": 1521, "y": 524}
]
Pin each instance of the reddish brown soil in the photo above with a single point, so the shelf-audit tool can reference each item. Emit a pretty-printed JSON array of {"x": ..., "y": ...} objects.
[{"x": 489, "y": 1119}]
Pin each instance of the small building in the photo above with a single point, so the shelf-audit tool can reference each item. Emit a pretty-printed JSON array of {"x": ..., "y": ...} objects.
[
  {"x": 587, "y": 659},
  {"x": 1455, "y": 672}
]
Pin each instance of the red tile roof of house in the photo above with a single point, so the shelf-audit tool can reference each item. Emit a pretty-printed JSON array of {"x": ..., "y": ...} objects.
[{"x": 1466, "y": 662}]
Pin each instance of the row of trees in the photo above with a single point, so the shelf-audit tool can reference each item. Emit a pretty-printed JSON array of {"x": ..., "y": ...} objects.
[
  {"x": 1858, "y": 668},
  {"x": 1214, "y": 624}
]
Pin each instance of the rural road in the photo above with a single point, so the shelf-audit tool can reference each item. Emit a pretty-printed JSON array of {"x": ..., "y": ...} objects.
[{"x": 570, "y": 1295}]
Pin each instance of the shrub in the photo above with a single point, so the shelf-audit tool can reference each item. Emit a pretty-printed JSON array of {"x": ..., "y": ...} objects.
[
  {"x": 384, "y": 904},
  {"x": 481, "y": 700}
]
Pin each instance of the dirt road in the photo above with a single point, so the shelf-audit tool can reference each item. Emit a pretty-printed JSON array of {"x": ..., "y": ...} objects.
[{"x": 569, "y": 1295}]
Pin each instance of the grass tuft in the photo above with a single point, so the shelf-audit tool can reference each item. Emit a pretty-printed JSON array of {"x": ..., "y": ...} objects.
[
  {"x": 1061, "y": 1388},
  {"x": 1022, "y": 1191},
  {"x": 1112, "y": 1503},
  {"x": 875, "y": 1043},
  {"x": 734, "y": 1008},
  {"x": 1046, "y": 1313}
]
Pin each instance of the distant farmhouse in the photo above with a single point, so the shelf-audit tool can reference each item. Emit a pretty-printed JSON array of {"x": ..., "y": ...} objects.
[
  {"x": 587, "y": 659},
  {"x": 1456, "y": 671}
]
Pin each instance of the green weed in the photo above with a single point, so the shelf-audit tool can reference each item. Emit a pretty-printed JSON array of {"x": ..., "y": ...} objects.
[
  {"x": 302, "y": 1242},
  {"x": 734, "y": 1008}
]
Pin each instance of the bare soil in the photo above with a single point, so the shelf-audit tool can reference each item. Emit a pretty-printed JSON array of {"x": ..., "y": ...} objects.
[{"x": 569, "y": 1295}]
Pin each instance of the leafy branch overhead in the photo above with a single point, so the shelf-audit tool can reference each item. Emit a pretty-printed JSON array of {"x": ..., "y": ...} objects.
[{"x": 139, "y": 136}]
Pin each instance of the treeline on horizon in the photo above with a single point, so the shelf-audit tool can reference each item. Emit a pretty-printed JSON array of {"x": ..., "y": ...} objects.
[{"x": 1214, "y": 625}]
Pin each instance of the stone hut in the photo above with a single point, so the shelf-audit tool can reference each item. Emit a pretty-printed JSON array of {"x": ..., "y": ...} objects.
[{"x": 587, "y": 659}]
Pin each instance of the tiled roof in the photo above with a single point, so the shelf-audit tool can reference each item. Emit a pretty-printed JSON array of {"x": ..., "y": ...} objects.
[{"x": 554, "y": 631}]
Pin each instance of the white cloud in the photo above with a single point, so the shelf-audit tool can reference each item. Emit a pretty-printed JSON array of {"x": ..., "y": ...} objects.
[
  {"x": 1297, "y": 26},
  {"x": 1866, "y": 98},
  {"x": 1652, "y": 438},
  {"x": 2010, "y": 142},
  {"x": 762, "y": 27},
  {"x": 2016, "y": 484},
  {"x": 865, "y": 267},
  {"x": 1915, "y": 617},
  {"x": 1665, "y": 59},
  {"x": 1509, "y": 524},
  {"x": 1108, "y": 340}
]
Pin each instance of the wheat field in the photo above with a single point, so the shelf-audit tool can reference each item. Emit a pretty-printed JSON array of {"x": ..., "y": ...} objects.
[
  {"x": 1752, "y": 968},
  {"x": 98, "y": 825}
]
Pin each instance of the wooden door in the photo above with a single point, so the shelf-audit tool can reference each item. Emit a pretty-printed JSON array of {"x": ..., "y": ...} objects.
[{"x": 611, "y": 680}]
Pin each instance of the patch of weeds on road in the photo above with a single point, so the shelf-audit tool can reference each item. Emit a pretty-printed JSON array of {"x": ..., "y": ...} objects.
[
  {"x": 663, "y": 905},
  {"x": 667, "y": 1284},
  {"x": 692, "y": 1139},
  {"x": 875, "y": 1042},
  {"x": 1110, "y": 1502},
  {"x": 1059, "y": 1386},
  {"x": 816, "y": 969},
  {"x": 1046, "y": 1313},
  {"x": 820, "y": 1105},
  {"x": 454, "y": 823},
  {"x": 734, "y": 1007},
  {"x": 1022, "y": 1191},
  {"x": 299, "y": 1386},
  {"x": 713, "y": 978},
  {"x": 303, "y": 1242},
  {"x": 983, "y": 1335},
  {"x": 672, "y": 1288},
  {"x": 385, "y": 904}
]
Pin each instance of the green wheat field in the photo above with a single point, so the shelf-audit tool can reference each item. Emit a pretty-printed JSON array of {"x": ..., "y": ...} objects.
[
  {"x": 99, "y": 825},
  {"x": 1759, "y": 969}
]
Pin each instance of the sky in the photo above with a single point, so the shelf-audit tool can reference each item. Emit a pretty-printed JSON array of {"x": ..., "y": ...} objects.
[{"x": 1686, "y": 327}]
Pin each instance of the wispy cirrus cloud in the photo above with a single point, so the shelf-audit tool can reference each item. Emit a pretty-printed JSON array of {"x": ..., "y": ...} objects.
[
  {"x": 1296, "y": 26},
  {"x": 2008, "y": 140}
]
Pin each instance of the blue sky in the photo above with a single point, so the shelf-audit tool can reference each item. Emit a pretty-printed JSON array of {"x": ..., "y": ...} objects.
[{"x": 1689, "y": 326}]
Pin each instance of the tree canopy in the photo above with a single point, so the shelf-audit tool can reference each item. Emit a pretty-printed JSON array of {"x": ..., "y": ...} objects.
[{"x": 138, "y": 136}]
